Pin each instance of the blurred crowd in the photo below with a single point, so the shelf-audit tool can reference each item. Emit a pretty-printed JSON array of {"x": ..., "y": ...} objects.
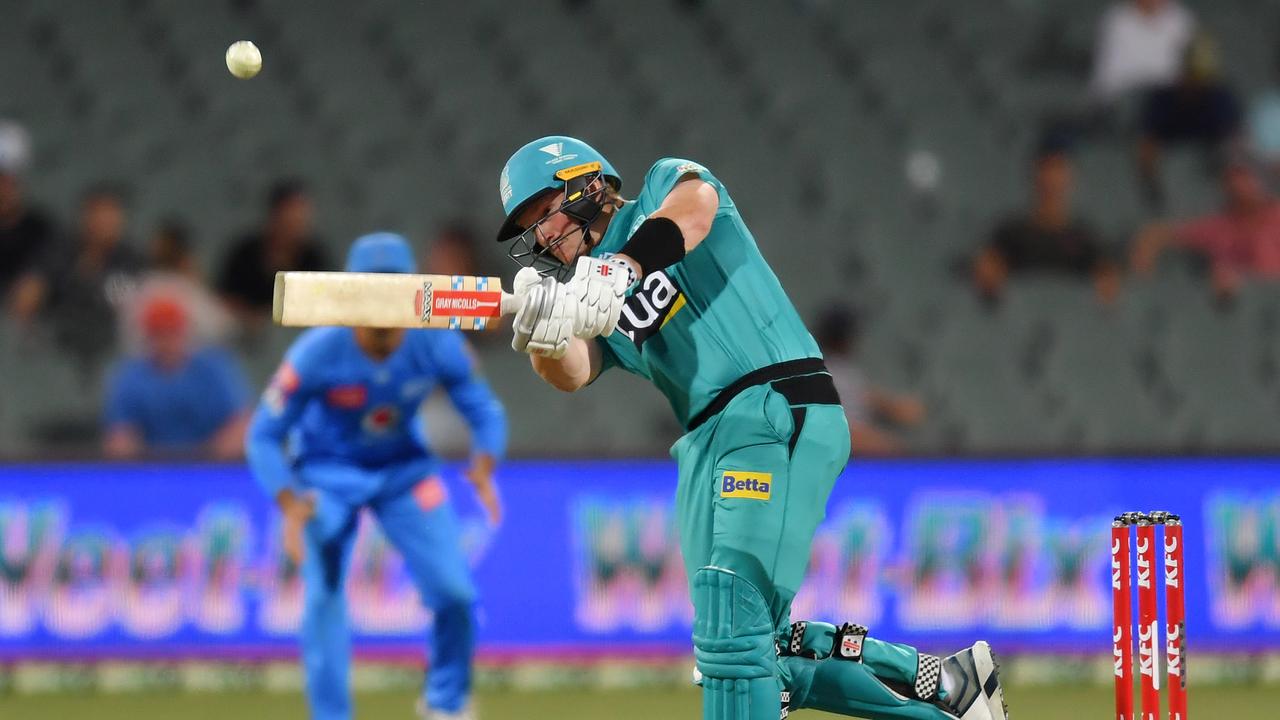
[
  {"x": 148, "y": 315},
  {"x": 136, "y": 303},
  {"x": 1157, "y": 85}
]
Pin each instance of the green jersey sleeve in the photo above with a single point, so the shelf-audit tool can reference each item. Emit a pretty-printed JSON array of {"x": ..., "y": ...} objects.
[
  {"x": 663, "y": 176},
  {"x": 697, "y": 326}
]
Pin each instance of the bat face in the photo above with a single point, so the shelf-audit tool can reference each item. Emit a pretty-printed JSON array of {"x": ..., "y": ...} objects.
[{"x": 389, "y": 300}]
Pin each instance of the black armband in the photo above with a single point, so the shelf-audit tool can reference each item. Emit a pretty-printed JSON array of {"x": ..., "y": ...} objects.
[{"x": 656, "y": 244}]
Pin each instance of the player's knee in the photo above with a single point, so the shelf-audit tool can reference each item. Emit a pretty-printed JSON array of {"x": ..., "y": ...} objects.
[
  {"x": 437, "y": 598},
  {"x": 322, "y": 599},
  {"x": 323, "y": 570},
  {"x": 732, "y": 627},
  {"x": 323, "y": 586},
  {"x": 458, "y": 613}
]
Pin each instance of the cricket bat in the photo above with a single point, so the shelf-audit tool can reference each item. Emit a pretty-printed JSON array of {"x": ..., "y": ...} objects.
[{"x": 389, "y": 300}]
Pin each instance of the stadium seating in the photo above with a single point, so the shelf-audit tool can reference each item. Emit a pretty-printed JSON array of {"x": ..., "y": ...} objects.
[{"x": 401, "y": 114}]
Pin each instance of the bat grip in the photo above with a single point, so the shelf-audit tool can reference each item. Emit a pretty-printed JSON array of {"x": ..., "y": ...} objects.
[{"x": 509, "y": 304}]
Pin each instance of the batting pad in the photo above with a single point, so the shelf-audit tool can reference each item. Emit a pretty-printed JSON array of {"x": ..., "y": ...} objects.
[{"x": 733, "y": 646}]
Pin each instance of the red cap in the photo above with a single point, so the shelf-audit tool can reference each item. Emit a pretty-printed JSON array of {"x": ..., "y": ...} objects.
[{"x": 163, "y": 315}]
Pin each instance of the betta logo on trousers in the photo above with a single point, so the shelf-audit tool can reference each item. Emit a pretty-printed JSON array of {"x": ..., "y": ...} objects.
[{"x": 749, "y": 485}]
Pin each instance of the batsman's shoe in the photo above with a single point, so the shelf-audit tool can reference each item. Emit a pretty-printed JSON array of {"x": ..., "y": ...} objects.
[{"x": 971, "y": 681}]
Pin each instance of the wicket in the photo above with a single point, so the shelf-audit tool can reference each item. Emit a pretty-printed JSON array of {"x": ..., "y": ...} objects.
[{"x": 1148, "y": 627}]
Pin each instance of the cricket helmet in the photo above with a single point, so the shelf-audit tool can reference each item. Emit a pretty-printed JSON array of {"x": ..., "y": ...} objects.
[
  {"x": 381, "y": 252},
  {"x": 548, "y": 164}
]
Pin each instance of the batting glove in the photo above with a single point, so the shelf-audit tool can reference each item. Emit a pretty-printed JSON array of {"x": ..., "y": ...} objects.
[
  {"x": 544, "y": 322},
  {"x": 599, "y": 287}
]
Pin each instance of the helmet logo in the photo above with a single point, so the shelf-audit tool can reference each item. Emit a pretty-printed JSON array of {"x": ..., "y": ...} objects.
[
  {"x": 556, "y": 151},
  {"x": 504, "y": 184}
]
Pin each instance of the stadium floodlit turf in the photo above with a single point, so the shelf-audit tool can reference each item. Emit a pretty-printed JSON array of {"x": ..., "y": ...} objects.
[{"x": 1038, "y": 703}]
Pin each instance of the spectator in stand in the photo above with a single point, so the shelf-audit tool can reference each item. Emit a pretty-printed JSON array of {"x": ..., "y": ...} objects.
[
  {"x": 1047, "y": 237},
  {"x": 175, "y": 272},
  {"x": 170, "y": 250},
  {"x": 1140, "y": 45},
  {"x": 79, "y": 287},
  {"x": 285, "y": 242},
  {"x": 1264, "y": 125},
  {"x": 1239, "y": 242},
  {"x": 1199, "y": 109},
  {"x": 453, "y": 250},
  {"x": 26, "y": 233},
  {"x": 867, "y": 408},
  {"x": 175, "y": 396}
]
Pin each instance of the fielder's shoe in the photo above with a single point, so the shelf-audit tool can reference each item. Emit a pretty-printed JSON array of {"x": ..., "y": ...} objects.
[
  {"x": 971, "y": 679},
  {"x": 426, "y": 713}
]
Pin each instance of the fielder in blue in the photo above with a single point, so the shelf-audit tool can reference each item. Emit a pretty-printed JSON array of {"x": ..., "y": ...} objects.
[{"x": 337, "y": 431}]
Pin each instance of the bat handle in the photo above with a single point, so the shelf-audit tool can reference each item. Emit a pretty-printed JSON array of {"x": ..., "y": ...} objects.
[{"x": 509, "y": 305}]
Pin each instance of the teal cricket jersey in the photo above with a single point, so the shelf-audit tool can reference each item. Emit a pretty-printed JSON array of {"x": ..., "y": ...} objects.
[{"x": 702, "y": 323}]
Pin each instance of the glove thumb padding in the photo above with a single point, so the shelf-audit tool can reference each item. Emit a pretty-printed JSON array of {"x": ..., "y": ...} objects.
[
  {"x": 531, "y": 296},
  {"x": 538, "y": 328},
  {"x": 525, "y": 279}
]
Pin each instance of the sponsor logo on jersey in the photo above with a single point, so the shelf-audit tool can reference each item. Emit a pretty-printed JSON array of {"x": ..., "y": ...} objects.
[
  {"x": 380, "y": 419},
  {"x": 274, "y": 400},
  {"x": 286, "y": 378},
  {"x": 283, "y": 384},
  {"x": 655, "y": 302},
  {"x": 347, "y": 397},
  {"x": 747, "y": 485},
  {"x": 430, "y": 493}
]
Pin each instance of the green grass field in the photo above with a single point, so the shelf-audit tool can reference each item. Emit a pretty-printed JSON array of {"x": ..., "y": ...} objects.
[{"x": 1040, "y": 703}]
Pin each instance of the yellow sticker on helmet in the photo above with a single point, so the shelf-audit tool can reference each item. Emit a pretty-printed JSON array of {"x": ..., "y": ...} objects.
[{"x": 570, "y": 173}]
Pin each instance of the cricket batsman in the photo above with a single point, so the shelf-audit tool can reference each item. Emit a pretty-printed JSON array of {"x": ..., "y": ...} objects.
[
  {"x": 671, "y": 286},
  {"x": 345, "y": 401}
]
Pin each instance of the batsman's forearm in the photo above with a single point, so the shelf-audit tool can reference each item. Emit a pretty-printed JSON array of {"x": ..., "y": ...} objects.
[{"x": 575, "y": 370}]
